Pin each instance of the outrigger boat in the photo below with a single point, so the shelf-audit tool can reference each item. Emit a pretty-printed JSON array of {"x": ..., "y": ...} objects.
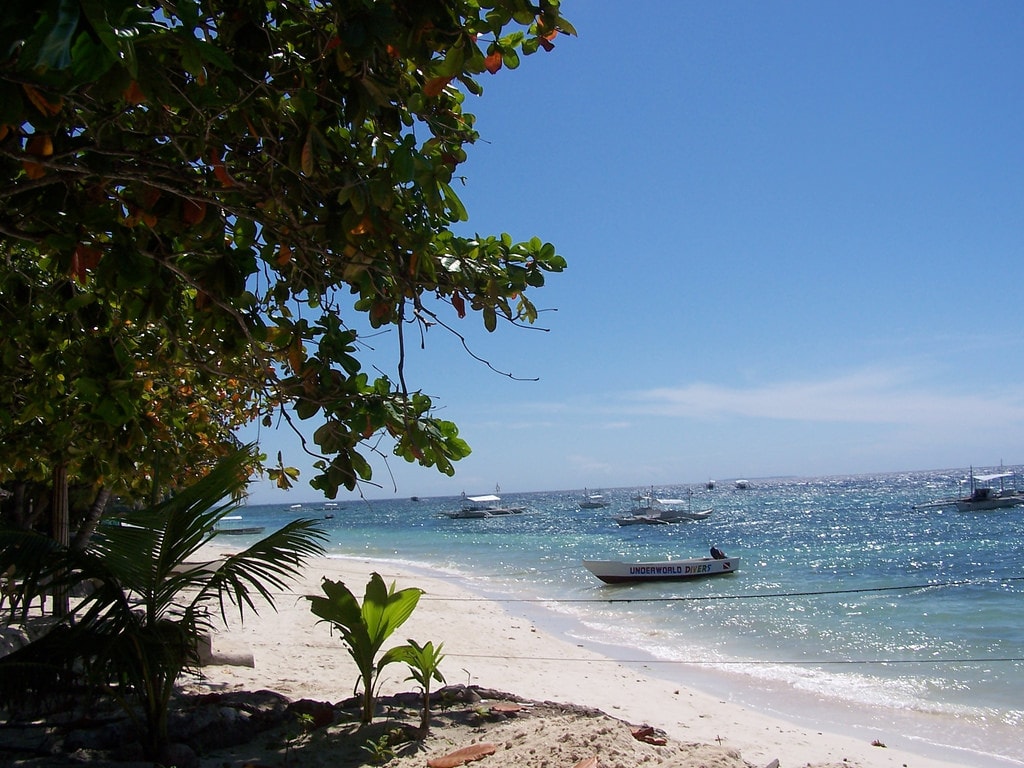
[
  {"x": 237, "y": 530},
  {"x": 592, "y": 500},
  {"x": 982, "y": 495},
  {"x": 654, "y": 511},
  {"x": 618, "y": 572},
  {"x": 476, "y": 507}
]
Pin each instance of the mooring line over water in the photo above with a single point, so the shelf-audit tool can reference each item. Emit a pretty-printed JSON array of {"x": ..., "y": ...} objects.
[
  {"x": 746, "y": 596},
  {"x": 743, "y": 662}
]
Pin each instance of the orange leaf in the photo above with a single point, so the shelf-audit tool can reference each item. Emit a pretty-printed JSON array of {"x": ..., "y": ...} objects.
[
  {"x": 464, "y": 755},
  {"x": 295, "y": 356},
  {"x": 150, "y": 196},
  {"x": 4, "y": 129},
  {"x": 40, "y": 102},
  {"x": 133, "y": 93},
  {"x": 252, "y": 128},
  {"x": 193, "y": 212},
  {"x": 40, "y": 145},
  {"x": 84, "y": 258},
  {"x": 435, "y": 85},
  {"x": 284, "y": 255},
  {"x": 459, "y": 303},
  {"x": 219, "y": 170},
  {"x": 307, "y": 155},
  {"x": 493, "y": 62},
  {"x": 33, "y": 170},
  {"x": 363, "y": 227}
]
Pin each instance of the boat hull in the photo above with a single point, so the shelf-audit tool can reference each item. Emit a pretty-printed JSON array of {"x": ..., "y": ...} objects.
[
  {"x": 994, "y": 502},
  {"x": 617, "y": 572},
  {"x": 477, "y": 514},
  {"x": 240, "y": 531}
]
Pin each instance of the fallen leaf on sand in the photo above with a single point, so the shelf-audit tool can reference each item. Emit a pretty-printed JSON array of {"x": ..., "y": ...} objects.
[
  {"x": 464, "y": 755},
  {"x": 647, "y": 735}
]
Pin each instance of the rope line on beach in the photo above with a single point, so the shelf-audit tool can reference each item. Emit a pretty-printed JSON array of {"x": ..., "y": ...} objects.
[
  {"x": 740, "y": 662},
  {"x": 746, "y": 596}
]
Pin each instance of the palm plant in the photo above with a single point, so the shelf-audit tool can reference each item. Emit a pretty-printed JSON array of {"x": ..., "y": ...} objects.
[
  {"x": 365, "y": 628},
  {"x": 424, "y": 666},
  {"x": 139, "y": 629}
]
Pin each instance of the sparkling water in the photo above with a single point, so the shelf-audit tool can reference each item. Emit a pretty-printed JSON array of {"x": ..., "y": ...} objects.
[{"x": 852, "y": 609}]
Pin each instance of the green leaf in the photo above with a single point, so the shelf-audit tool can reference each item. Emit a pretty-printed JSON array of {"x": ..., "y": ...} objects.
[{"x": 55, "y": 52}]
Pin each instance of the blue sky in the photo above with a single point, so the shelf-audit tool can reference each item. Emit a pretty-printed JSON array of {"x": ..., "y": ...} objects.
[{"x": 794, "y": 233}]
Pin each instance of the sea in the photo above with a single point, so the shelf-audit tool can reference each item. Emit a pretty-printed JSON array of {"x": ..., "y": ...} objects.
[{"x": 856, "y": 609}]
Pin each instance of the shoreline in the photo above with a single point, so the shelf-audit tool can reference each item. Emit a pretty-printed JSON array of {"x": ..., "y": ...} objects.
[{"x": 493, "y": 645}]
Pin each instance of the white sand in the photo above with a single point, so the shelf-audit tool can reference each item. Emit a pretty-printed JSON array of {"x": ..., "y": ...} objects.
[{"x": 487, "y": 645}]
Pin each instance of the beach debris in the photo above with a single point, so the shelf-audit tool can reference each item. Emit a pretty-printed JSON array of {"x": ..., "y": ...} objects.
[
  {"x": 648, "y": 735},
  {"x": 505, "y": 708},
  {"x": 773, "y": 764},
  {"x": 464, "y": 755},
  {"x": 877, "y": 743},
  {"x": 587, "y": 762}
]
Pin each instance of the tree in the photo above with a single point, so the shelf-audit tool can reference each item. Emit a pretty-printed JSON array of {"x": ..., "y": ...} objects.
[
  {"x": 233, "y": 170},
  {"x": 113, "y": 401}
]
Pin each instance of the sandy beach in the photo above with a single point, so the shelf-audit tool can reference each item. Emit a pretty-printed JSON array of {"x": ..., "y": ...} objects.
[{"x": 489, "y": 645}]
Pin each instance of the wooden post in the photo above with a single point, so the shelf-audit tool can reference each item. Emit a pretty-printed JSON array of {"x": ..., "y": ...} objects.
[{"x": 61, "y": 534}]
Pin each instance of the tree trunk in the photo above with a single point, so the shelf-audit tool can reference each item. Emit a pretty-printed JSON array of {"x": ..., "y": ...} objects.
[
  {"x": 61, "y": 534},
  {"x": 92, "y": 519}
]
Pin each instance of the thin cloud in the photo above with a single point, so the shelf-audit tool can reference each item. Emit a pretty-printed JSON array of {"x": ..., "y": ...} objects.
[{"x": 874, "y": 397}]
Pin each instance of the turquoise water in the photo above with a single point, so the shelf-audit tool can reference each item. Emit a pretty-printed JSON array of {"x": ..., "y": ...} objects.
[{"x": 851, "y": 609}]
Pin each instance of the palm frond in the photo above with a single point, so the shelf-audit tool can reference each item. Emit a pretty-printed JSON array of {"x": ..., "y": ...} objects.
[{"x": 267, "y": 565}]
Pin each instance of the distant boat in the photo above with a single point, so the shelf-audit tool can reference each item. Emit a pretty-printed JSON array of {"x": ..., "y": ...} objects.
[
  {"x": 710, "y": 485},
  {"x": 241, "y": 530},
  {"x": 592, "y": 500},
  {"x": 742, "y": 485},
  {"x": 295, "y": 506},
  {"x": 475, "y": 507},
  {"x": 655, "y": 511},
  {"x": 982, "y": 496},
  {"x": 618, "y": 572}
]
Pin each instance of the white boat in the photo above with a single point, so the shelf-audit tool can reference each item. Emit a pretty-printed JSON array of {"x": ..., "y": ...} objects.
[
  {"x": 742, "y": 485},
  {"x": 239, "y": 530},
  {"x": 983, "y": 496},
  {"x": 618, "y": 572},
  {"x": 655, "y": 511},
  {"x": 475, "y": 507},
  {"x": 592, "y": 500},
  {"x": 674, "y": 509}
]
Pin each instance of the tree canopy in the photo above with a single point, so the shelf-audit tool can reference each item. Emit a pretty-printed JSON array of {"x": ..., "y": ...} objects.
[{"x": 202, "y": 200}]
